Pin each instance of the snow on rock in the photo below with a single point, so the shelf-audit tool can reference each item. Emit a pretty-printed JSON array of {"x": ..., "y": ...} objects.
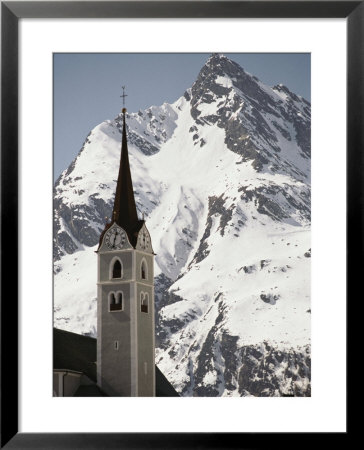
[{"x": 223, "y": 178}]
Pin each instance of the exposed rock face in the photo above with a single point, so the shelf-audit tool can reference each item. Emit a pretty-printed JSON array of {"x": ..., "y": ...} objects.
[
  {"x": 249, "y": 115},
  {"x": 279, "y": 201},
  {"x": 223, "y": 365},
  {"x": 268, "y": 372},
  {"x": 215, "y": 208},
  {"x": 223, "y": 178}
]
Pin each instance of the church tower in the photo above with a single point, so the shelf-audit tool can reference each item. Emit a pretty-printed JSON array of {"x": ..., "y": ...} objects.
[{"x": 125, "y": 299}]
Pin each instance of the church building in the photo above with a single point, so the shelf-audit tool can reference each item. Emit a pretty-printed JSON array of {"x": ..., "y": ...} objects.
[
  {"x": 125, "y": 347},
  {"x": 125, "y": 299}
]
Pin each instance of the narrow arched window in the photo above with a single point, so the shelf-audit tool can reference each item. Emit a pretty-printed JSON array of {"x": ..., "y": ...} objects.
[
  {"x": 144, "y": 302},
  {"x": 119, "y": 299},
  {"x": 144, "y": 274},
  {"x": 112, "y": 300},
  {"x": 116, "y": 301},
  {"x": 116, "y": 270}
]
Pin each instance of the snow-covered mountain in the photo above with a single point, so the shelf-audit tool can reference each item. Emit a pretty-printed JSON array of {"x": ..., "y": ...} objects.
[{"x": 223, "y": 178}]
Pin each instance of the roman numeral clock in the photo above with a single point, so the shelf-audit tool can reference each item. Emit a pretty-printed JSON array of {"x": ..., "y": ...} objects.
[{"x": 115, "y": 238}]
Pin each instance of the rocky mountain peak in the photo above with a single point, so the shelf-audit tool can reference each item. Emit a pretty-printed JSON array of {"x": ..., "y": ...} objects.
[
  {"x": 223, "y": 176},
  {"x": 256, "y": 118},
  {"x": 216, "y": 68},
  {"x": 220, "y": 64}
]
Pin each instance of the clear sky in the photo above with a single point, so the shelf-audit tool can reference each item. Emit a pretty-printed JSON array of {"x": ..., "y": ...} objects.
[{"x": 87, "y": 86}]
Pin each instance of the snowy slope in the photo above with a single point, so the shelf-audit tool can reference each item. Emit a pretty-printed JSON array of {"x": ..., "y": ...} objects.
[{"x": 223, "y": 178}]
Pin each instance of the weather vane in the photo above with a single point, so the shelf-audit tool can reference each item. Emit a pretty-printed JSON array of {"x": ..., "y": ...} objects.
[{"x": 123, "y": 95}]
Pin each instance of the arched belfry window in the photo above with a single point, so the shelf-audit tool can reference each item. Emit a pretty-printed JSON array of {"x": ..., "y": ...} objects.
[
  {"x": 144, "y": 302},
  {"x": 143, "y": 270},
  {"x": 119, "y": 299},
  {"x": 116, "y": 301},
  {"x": 117, "y": 270}
]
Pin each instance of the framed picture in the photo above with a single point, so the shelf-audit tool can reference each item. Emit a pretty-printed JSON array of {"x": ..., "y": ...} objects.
[{"x": 28, "y": 153}]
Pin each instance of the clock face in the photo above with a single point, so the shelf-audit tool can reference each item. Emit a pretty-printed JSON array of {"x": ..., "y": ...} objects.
[
  {"x": 115, "y": 239},
  {"x": 145, "y": 241}
]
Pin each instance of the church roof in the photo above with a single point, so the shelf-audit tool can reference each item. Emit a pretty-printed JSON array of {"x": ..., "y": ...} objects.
[
  {"x": 76, "y": 352},
  {"x": 124, "y": 211},
  {"x": 73, "y": 351}
]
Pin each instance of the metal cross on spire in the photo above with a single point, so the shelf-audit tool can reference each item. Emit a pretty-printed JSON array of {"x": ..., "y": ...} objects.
[{"x": 123, "y": 95}]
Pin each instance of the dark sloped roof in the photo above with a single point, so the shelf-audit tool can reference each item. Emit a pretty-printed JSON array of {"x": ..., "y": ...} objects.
[
  {"x": 73, "y": 351},
  {"x": 125, "y": 212},
  {"x": 163, "y": 387}
]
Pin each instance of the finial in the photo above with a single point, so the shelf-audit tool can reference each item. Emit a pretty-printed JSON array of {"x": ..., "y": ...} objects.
[{"x": 123, "y": 97}]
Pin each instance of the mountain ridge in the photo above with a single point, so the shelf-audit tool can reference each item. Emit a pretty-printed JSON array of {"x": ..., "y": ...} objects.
[{"x": 223, "y": 178}]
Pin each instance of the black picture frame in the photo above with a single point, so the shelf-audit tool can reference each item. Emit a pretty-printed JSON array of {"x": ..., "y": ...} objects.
[{"x": 11, "y": 12}]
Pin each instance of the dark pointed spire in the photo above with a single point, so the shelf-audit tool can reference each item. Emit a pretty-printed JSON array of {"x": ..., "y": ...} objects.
[{"x": 125, "y": 212}]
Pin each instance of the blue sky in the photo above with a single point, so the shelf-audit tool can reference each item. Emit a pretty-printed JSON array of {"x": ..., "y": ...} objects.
[{"x": 87, "y": 86}]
